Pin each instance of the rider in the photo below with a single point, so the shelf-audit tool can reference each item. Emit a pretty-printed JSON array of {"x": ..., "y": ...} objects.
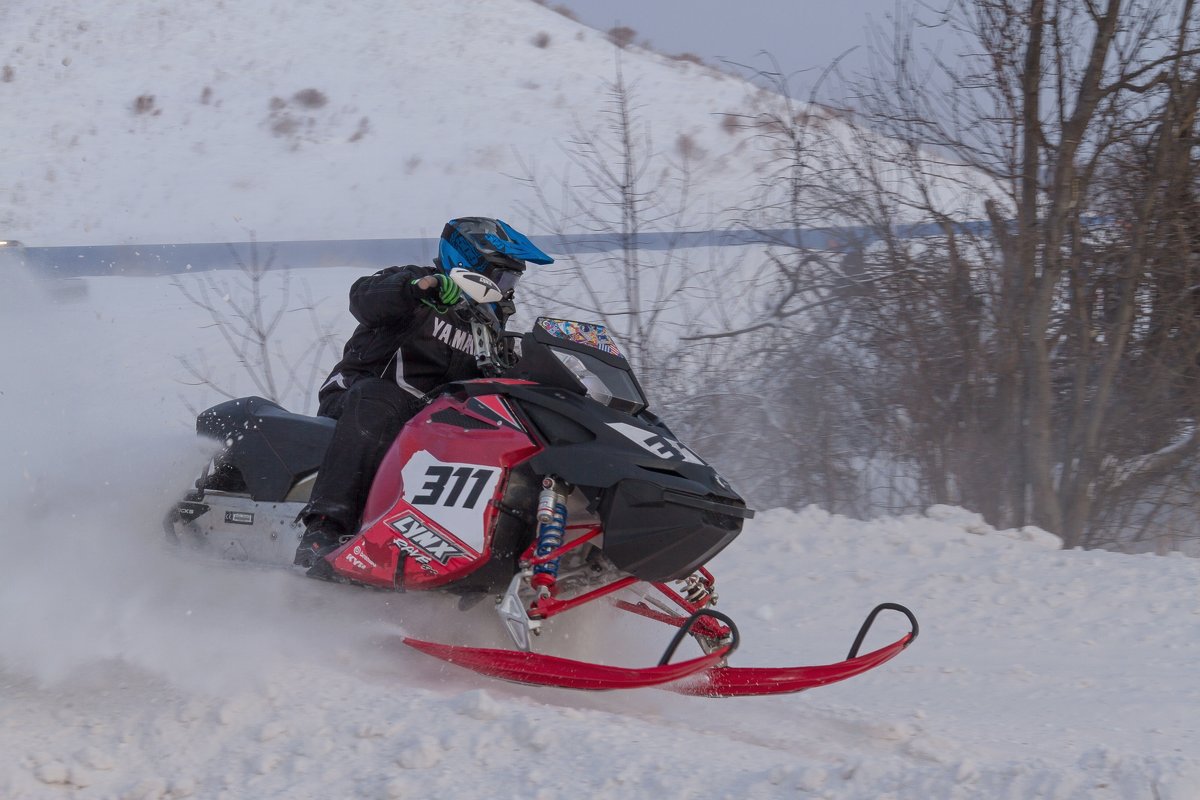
[{"x": 408, "y": 344}]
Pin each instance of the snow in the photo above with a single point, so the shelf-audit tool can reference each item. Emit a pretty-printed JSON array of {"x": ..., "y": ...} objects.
[
  {"x": 126, "y": 672},
  {"x": 137, "y": 122},
  {"x": 455, "y": 95}
]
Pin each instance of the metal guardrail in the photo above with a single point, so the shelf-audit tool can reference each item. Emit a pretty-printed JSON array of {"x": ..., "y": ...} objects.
[{"x": 167, "y": 259}]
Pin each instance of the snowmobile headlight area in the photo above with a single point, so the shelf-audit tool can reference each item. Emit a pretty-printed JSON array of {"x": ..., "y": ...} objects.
[
  {"x": 590, "y": 380},
  {"x": 606, "y": 385}
]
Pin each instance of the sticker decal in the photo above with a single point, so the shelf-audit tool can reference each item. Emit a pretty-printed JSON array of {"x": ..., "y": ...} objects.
[
  {"x": 239, "y": 517},
  {"x": 423, "y": 541},
  {"x": 493, "y": 408},
  {"x": 441, "y": 478},
  {"x": 413, "y": 552},
  {"x": 588, "y": 333},
  {"x": 659, "y": 444},
  {"x": 452, "y": 495},
  {"x": 190, "y": 510},
  {"x": 358, "y": 558}
]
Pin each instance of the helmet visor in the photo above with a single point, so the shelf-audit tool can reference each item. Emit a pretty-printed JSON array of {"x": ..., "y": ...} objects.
[{"x": 506, "y": 279}]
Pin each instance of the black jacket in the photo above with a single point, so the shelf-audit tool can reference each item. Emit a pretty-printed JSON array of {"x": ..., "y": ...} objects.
[{"x": 400, "y": 338}]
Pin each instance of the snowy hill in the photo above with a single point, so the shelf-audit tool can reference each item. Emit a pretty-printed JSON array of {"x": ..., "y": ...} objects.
[
  {"x": 142, "y": 121},
  {"x": 126, "y": 673}
]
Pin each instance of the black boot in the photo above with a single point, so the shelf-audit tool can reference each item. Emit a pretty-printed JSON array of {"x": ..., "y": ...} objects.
[{"x": 321, "y": 537}]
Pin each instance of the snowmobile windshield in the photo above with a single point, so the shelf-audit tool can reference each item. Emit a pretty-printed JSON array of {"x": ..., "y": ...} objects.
[{"x": 606, "y": 384}]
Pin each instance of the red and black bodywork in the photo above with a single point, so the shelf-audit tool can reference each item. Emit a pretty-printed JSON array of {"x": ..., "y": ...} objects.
[{"x": 453, "y": 499}]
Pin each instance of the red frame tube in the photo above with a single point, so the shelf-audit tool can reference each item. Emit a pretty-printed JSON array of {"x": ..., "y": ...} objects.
[
  {"x": 531, "y": 560},
  {"x": 546, "y": 607}
]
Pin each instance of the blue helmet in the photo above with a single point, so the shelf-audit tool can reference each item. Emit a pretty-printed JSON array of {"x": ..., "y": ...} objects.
[{"x": 490, "y": 246}]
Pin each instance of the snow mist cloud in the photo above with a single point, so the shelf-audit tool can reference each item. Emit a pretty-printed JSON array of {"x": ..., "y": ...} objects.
[{"x": 98, "y": 445}]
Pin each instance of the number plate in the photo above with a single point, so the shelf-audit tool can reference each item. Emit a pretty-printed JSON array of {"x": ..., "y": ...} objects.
[{"x": 453, "y": 495}]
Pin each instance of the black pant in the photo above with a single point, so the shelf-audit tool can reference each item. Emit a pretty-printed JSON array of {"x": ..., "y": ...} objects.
[{"x": 369, "y": 416}]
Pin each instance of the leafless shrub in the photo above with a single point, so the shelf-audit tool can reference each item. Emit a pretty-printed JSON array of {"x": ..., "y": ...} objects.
[
  {"x": 799, "y": 403},
  {"x": 285, "y": 125},
  {"x": 541, "y": 40},
  {"x": 622, "y": 36},
  {"x": 144, "y": 104},
  {"x": 625, "y": 187},
  {"x": 7, "y": 74},
  {"x": 566, "y": 12},
  {"x": 364, "y": 127},
  {"x": 686, "y": 147},
  {"x": 411, "y": 164},
  {"x": 206, "y": 95},
  {"x": 310, "y": 98},
  {"x": 293, "y": 120},
  {"x": 690, "y": 58},
  {"x": 246, "y": 310}
]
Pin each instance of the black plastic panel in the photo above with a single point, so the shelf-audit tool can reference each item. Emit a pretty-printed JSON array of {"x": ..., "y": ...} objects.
[
  {"x": 655, "y": 538},
  {"x": 268, "y": 447}
]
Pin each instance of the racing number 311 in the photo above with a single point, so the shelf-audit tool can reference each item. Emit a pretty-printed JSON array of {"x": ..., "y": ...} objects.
[{"x": 441, "y": 478}]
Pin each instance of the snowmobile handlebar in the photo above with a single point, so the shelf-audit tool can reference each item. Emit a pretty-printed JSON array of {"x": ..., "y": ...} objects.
[{"x": 479, "y": 312}]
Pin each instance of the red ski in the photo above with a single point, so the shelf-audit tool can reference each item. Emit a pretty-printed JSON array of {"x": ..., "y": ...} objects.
[
  {"x": 705, "y": 676},
  {"x": 723, "y": 681},
  {"x": 543, "y": 670}
]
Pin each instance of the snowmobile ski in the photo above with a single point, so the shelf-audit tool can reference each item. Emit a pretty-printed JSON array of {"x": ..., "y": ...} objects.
[
  {"x": 723, "y": 681},
  {"x": 705, "y": 676},
  {"x": 537, "y": 669}
]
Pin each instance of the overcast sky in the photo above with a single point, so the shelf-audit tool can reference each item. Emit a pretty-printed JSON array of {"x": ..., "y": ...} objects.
[{"x": 800, "y": 34}]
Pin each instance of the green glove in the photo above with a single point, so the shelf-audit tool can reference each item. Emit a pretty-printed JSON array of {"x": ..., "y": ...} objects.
[{"x": 445, "y": 292}]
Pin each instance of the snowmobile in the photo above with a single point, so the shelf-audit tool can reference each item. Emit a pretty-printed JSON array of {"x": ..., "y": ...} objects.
[{"x": 545, "y": 485}]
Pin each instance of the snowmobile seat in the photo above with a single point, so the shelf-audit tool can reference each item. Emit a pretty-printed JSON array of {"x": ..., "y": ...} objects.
[{"x": 267, "y": 448}]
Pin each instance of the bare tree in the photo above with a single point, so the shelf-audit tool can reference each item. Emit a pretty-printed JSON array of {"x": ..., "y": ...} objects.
[
  {"x": 618, "y": 191},
  {"x": 1069, "y": 330},
  {"x": 1014, "y": 323},
  {"x": 633, "y": 270},
  {"x": 246, "y": 308},
  {"x": 803, "y": 405}
]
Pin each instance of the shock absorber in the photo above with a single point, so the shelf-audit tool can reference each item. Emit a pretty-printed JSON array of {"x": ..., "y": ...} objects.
[
  {"x": 552, "y": 519},
  {"x": 698, "y": 589}
]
